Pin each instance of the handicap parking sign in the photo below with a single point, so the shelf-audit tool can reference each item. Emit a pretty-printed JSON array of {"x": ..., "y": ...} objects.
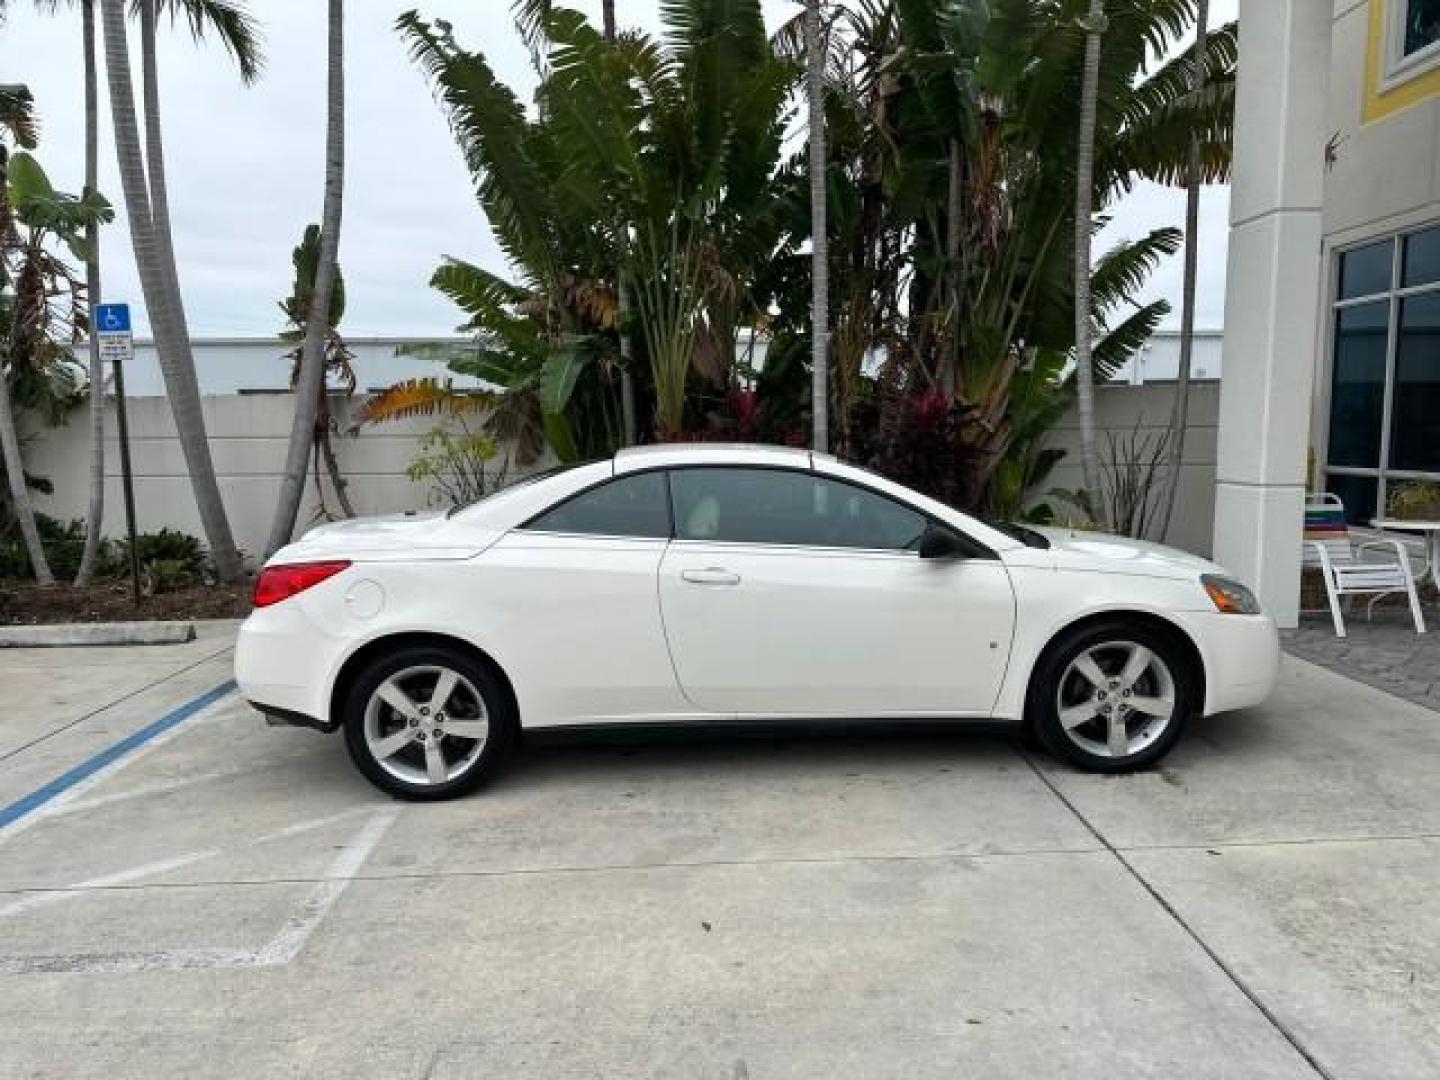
[{"x": 112, "y": 318}]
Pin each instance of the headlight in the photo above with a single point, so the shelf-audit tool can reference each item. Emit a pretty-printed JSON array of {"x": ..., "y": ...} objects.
[{"x": 1229, "y": 596}]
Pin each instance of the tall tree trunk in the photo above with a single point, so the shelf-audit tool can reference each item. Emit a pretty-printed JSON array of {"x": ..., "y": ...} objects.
[
  {"x": 1180, "y": 414},
  {"x": 95, "y": 513},
  {"x": 150, "y": 238},
  {"x": 19, "y": 494},
  {"x": 820, "y": 248},
  {"x": 332, "y": 465},
  {"x": 310, "y": 386},
  {"x": 622, "y": 289},
  {"x": 1084, "y": 207},
  {"x": 950, "y": 358}
]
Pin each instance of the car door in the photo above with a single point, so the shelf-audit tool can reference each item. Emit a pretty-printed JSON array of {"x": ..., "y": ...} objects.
[
  {"x": 570, "y": 598},
  {"x": 787, "y": 593}
]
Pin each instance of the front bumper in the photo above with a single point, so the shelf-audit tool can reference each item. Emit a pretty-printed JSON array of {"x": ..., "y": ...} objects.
[{"x": 1241, "y": 655}]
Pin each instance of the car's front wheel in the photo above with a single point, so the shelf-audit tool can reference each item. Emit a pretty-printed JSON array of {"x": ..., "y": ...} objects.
[
  {"x": 1113, "y": 697},
  {"x": 427, "y": 722}
]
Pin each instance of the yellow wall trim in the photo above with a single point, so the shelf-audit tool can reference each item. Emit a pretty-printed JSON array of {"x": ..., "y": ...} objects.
[{"x": 1380, "y": 102}]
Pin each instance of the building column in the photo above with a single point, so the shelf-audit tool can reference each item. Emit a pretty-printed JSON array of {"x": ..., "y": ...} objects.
[{"x": 1272, "y": 296}]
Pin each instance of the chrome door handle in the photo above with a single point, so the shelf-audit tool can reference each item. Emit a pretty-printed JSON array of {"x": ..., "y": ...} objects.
[{"x": 711, "y": 575}]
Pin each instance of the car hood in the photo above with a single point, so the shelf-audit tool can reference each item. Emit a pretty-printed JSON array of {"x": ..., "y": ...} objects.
[
  {"x": 427, "y": 535},
  {"x": 1076, "y": 550}
]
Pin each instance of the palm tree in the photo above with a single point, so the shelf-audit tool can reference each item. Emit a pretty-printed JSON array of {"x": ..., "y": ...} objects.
[
  {"x": 19, "y": 122},
  {"x": 142, "y": 176},
  {"x": 815, "y": 55},
  {"x": 1084, "y": 225},
  {"x": 95, "y": 513},
  {"x": 44, "y": 309},
  {"x": 337, "y": 357},
  {"x": 1180, "y": 414},
  {"x": 310, "y": 383},
  {"x": 237, "y": 32},
  {"x": 622, "y": 287}
]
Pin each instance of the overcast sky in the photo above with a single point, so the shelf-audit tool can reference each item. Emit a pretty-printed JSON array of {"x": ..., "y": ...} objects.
[{"x": 245, "y": 166}]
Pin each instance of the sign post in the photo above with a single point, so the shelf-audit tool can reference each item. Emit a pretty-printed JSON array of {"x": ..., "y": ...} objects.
[{"x": 112, "y": 331}]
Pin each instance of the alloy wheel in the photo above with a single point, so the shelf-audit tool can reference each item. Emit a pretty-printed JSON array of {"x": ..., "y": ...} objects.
[
  {"x": 1115, "y": 699},
  {"x": 426, "y": 725}
]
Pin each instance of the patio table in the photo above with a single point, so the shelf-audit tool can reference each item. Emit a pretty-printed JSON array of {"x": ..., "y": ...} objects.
[{"x": 1431, "y": 529}]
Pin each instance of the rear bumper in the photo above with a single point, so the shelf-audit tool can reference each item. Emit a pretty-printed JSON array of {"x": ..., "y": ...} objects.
[
  {"x": 278, "y": 717},
  {"x": 284, "y": 660}
]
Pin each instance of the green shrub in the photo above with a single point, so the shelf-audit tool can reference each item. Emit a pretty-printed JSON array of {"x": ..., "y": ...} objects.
[
  {"x": 169, "y": 560},
  {"x": 64, "y": 544}
]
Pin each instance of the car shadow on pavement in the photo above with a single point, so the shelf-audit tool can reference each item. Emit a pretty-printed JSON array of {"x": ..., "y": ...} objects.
[{"x": 838, "y": 746}]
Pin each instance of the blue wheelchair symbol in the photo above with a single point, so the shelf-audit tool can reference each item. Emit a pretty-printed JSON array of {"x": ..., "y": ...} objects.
[{"x": 112, "y": 318}]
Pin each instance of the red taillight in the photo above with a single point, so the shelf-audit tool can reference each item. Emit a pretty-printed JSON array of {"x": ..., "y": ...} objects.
[{"x": 277, "y": 583}]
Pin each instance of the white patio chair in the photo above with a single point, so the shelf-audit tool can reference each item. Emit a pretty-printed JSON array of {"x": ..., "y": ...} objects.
[{"x": 1351, "y": 569}]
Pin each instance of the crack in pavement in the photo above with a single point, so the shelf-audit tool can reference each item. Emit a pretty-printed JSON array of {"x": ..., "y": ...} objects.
[
  {"x": 1253, "y": 996},
  {"x": 111, "y": 704}
]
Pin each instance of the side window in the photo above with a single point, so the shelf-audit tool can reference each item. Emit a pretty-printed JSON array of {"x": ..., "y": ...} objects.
[
  {"x": 775, "y": 506},
  {"x": 629, "y": 506}
]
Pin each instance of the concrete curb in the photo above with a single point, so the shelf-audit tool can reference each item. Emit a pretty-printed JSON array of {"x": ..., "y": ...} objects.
[{"x": 118, "y": 633}]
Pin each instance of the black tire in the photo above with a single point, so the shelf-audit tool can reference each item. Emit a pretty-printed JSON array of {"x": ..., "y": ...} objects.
[
  {"x": 470, "y": 767},
  {"x": 1054, "y": 681}
]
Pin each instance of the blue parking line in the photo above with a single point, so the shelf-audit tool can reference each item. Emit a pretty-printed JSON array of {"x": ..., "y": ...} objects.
[{"x": 40, "y": 796}]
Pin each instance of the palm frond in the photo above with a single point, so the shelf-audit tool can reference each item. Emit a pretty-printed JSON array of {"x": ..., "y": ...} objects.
[
  {"x": 1124, "y": 269},
  {"x": 421, "y": 397},
  {"x": 496, "y": 140},
  {"x": 228, "y": 20},
  {"x": 1121, "y": 343},
  {"x": 17, "y": 115}
]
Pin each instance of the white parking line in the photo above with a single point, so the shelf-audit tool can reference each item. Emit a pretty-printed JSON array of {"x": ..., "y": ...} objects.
[
  {"x": 284, "y": 947},
  {"x": 163, "y": 787},
  {"x": 123, "y": 877}
]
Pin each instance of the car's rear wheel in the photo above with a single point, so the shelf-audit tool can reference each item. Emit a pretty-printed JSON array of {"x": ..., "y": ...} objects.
[
  {"x": 427, "y": 722},
  {"x": 1113, "y": 697}
]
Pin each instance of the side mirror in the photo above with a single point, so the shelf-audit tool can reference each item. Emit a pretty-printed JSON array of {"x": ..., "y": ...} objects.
[{"x": 938, "y": 542}]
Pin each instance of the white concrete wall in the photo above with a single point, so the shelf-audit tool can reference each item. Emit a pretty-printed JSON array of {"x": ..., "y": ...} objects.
[
  {"x": 248, "y": 438},
  {"x": 1119, "y": 408},
  {"x": 248, "y": 434},
  {"x": 1159, "y": 359}
]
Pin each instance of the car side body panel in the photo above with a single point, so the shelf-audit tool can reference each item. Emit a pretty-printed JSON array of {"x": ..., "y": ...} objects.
[
  {"x": 768, "y": 630},
  {"x": 578, "y": 625},
  {"x": 1240, "y": 653}
]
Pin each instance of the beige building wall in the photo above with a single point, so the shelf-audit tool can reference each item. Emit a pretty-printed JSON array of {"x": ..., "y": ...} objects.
[
  {"x": 1118, "y": 410},
  {"x": 1383, "y": 166},
  {"x": 248, "y": 435},
  {"x": 248, "y": 438}
]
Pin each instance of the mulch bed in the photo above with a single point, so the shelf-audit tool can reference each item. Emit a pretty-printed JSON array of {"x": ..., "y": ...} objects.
[{"x": 23, "y": 603}]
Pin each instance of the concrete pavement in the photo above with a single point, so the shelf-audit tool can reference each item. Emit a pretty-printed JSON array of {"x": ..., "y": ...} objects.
[{"x": 235, "y": 900}]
